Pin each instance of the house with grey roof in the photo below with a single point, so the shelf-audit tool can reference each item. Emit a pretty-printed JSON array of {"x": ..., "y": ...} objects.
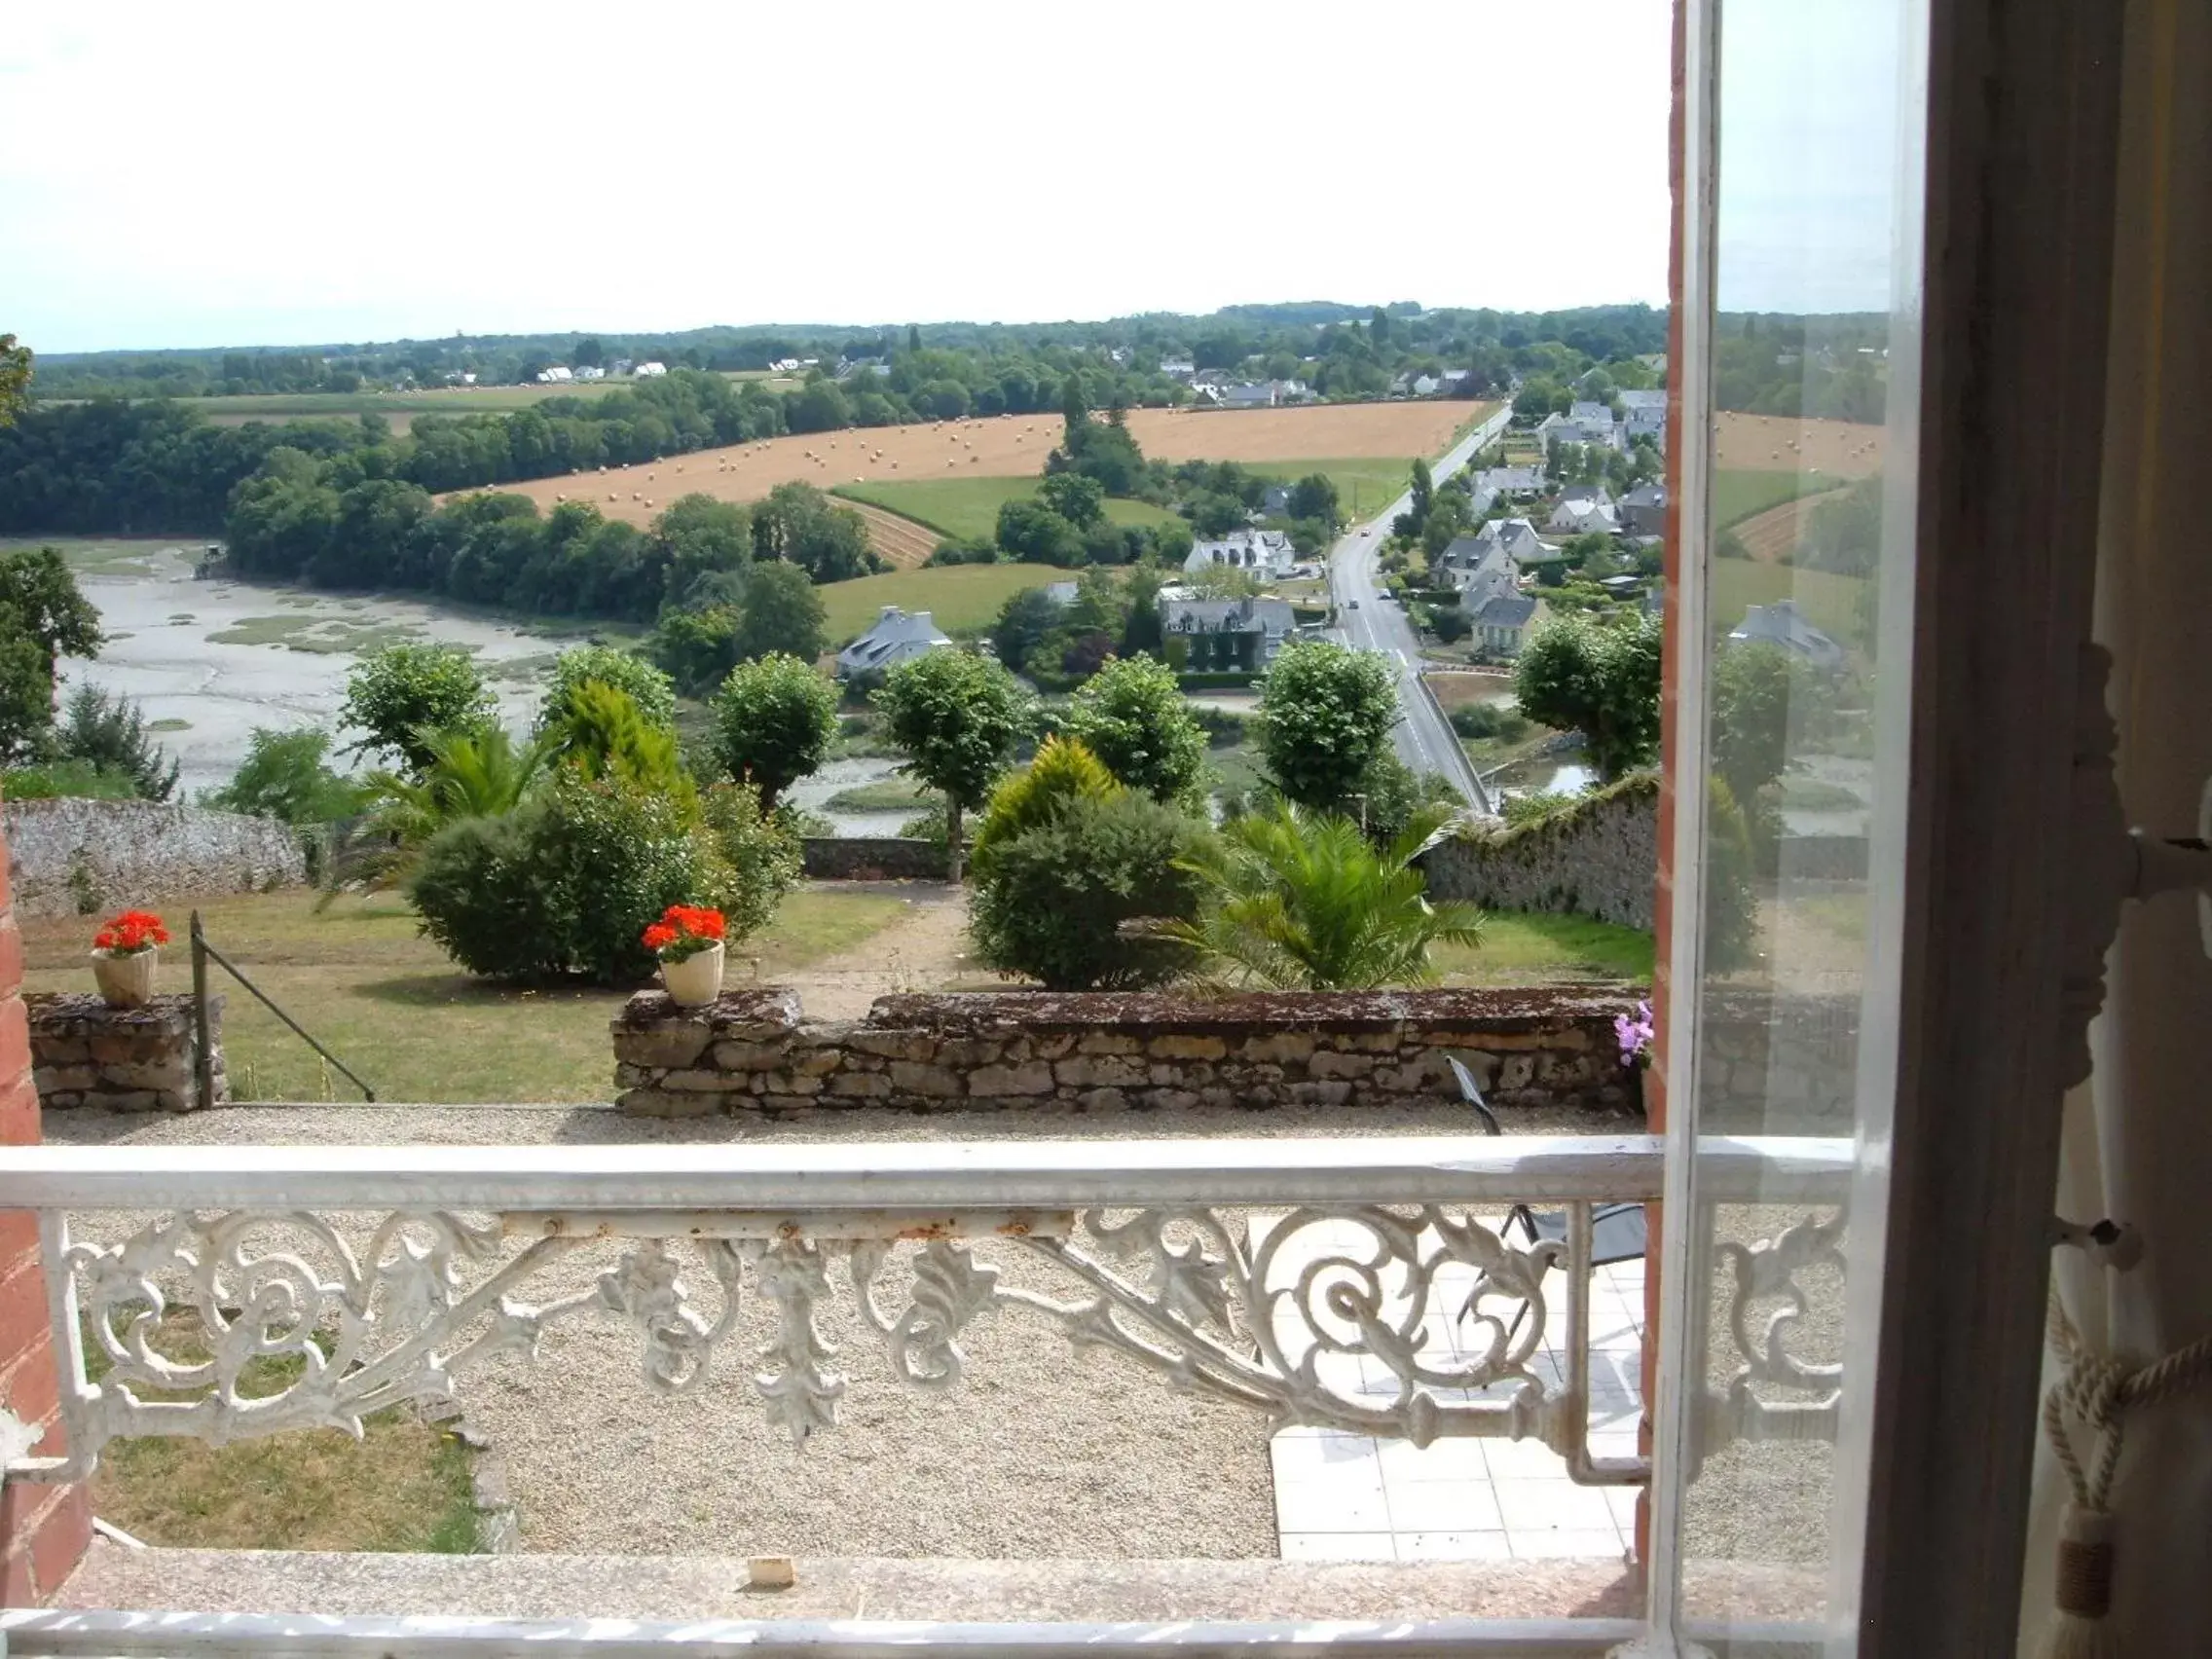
[
  {"x": 1500, "y": 625},
  {"x": 1643, "y": 510},
  {"x": 1782, "y": 624},
  {"x": 1266, "y": 553},
  {"x": 1226, "y": 634},
  {"x": 1643, "y": 415},
  {"x": 896, "y": 638},
  {"x": 1509, "y": 483},
  {"x": 1515, "y": 537},
  {"x": 1588, "y": 515},
  {"x": 1584, "y": 423}
]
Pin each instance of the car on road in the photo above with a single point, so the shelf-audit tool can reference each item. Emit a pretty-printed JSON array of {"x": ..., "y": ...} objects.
[{"x": 1356, "y": 604}]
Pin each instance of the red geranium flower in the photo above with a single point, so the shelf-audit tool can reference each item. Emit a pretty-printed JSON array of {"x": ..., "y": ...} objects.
[
  {"x": 129, "y": 933},
  {"x": 684, "y": 931}
]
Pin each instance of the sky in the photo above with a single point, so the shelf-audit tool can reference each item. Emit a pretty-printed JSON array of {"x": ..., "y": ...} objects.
[
  {"x": 247, "y": 173},
  {"x": 253, "y": 173}
]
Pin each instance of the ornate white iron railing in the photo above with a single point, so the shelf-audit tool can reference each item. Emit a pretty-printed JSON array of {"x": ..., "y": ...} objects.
[{"x": 1258, "y": 1270}]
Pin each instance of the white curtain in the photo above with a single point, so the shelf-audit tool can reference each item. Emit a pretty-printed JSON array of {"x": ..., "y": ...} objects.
[{"x": 2138, "y": 1143}]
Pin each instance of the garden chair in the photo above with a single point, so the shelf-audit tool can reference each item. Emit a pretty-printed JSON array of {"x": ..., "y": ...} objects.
[{"x": 1618, "y": 1232}]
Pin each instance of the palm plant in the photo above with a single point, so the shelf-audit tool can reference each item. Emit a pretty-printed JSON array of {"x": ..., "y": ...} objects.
[
  {"x": 473, "y": 772},
  {"x": 1302, "y": 900}
]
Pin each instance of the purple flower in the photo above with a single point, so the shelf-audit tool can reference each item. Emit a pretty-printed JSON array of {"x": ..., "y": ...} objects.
[{"x": 1636, "y": 1036}]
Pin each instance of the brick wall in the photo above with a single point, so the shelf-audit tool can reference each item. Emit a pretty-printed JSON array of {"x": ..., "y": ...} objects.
[
  {"x": 122, "y": 1059},
  {"x": 43, "y": 1529}
]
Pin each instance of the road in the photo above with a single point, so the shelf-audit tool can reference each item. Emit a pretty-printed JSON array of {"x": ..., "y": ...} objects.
[{"x": 1370, "y": 620}]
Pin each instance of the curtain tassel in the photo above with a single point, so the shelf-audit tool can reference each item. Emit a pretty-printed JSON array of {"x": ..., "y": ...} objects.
[{"x": 2083, "y": 1588}]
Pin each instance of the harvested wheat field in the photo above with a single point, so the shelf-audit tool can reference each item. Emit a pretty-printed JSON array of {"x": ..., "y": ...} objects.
[
  {"x": 1771, "y": 534},
  {"x": 1783, "y": 443},
  {"x": 901, "y": 541},
  {"x": 1008, "y": 446}
]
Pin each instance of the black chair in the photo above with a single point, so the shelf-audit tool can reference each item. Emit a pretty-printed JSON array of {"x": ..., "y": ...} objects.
[{"x": 1618, "y": 1232}]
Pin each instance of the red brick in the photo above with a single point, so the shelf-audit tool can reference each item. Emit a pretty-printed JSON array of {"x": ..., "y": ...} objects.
[
  {"x": 14, "y": 1028},
  {"x": 24, "y": 1317},
  {"x": 18, "y": 1111},
  {"x": 32, "y": 1389},
  {"x": 11, "y": 956},
  {"x": 19, "y": 1237},
  {"x": 58, "y": 1543},
  {"x": 16, "y": 1589}
]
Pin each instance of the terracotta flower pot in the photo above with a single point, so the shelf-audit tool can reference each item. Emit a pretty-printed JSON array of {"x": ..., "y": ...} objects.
[
  {"x": 697, "y": 979},
  {"x": 125, "y": 980}
]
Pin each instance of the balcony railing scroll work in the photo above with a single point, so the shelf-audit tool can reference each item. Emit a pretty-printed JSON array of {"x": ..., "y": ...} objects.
[{"x": 1297, "y": 1277}]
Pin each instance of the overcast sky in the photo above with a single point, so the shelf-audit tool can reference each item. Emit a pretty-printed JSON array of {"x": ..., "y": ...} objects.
[{"x": 249, "y": 173}]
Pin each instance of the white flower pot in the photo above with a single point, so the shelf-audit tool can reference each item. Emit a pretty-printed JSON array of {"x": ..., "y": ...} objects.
[
  {"x": 696, "y": 980},
  {"x": 125, "y": 980}
]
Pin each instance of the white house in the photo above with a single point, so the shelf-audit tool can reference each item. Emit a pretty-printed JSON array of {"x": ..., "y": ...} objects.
[
  {"x": 1266, "y": 553},
  {"x": 554, "y": 375},
  {"x": 1178, "y": 368},
  {"x": 1500, "y": 624},
  {"x": 1227, "y": 634},
  {"x": 1644, "y": 416},
  {"x": 591, "y": 372},
  {"x": 646, "y": 371},
  {"x": 896, "y": 638},
  {"x": 1516, "y": 539},
  {"x": 1782, "y": 624},
  {"x": 1584, "y": 423},
  {"x": 1583, "y": 518},
  {"x": 1494, "y": 482}
]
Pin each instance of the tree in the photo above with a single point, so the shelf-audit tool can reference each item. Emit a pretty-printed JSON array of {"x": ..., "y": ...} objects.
[
  {"x": 799, "y": 523},
  {"x": 1423, "y": 493},
  {"x": 1325, "y": 712},
  {"x": 958, "y": 717},
  {"x": 14, "y": 378},
  {"x": 1081, "y": 500},
  {"x": 1131, "y": 714},
  {"x": 286, "y": 775},
  {"x": 400, "y": 697},
  {"x": 43, "y": 618},
  {"x": 1025, "y": 620},
  {"x": 1314, "y": 496},
  {"x": 1299, "y": 901},
  {"x": 1032, "y": 531},
  {"x": 603, "y": 665},
  {"x": 109, "y": 734},
  {"x": 775, "y": 718},
  {"x": 588, "y": 353},
  {"x": 1602, "y": 681},
  {"x": 780, "y": 612},
  {"x": 913, "y": 337},
  {"x": 698, "y": 647}
]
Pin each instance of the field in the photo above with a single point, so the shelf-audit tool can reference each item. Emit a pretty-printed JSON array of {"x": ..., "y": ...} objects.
[
  {"x": 401, "y": 407},
  {"x": 1010, "y": 446},
  {"x": 1831, "y": 603},
  {"x": 962, "y": 598},
  {"x": 1780, "y": 443},
  {"x": 1771, "y": 534},
  {"x": 901, "y": 541},
  {"x": 1743, "y": 492},
  {"x": 1365, "y": 485},
  {"x": 969, "y": 507},
  {"x": 390, "y": 1005}
]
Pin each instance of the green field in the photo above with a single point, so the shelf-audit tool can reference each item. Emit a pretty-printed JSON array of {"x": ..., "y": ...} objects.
[
  {"x": 1739, "y": 492},
  {"x": 1364, "y": 486},
  {"x": 1833, "y": 604},
  {"x": 969, "y": 507},
  {"x": 961, "y": 597},
  {"x": 403, "y": 406},
  {"x": 1533, "y": 947}
]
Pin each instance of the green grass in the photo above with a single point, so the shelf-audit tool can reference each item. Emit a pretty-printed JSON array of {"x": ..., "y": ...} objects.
[
  {"x": 969, "y": 507},
  {"x": 1817, "y": 794},
  {"x": 1740, "y": 493},
  {"x": 406, "y": 1484},
  {"x": 390, "y": 1005},
  {"x": 319, "y": 636},
  {"x": 1833, "y": 603},
  {"x": 891, "y": 795},
  {"x": 961, "y": 597},
  {"x": 1364, "y": 486},
  {"x": 106, "y": 555},
  {"x": 1525, "y": 947}
]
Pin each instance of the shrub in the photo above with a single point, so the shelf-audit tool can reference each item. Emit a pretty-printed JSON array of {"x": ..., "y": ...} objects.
[
  {"x": 760, "y": 851},
  {"x": 651, "y": 690},
  {"x": 566, "y": 883},
  {"x": 1731, "y": 902},
  {"x": 286, "y": 776},
  {"x": 109, "y": 734},
  {"x": 398, "y": 696},
  {"x": 58, "y": 778},
  {"x": 1064, "y": 771},
  {"x": 1131, "y": 716},
  {"x": 1058, "y": 900}
]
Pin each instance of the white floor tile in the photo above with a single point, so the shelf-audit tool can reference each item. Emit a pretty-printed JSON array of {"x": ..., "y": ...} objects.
[
  {"x": 1621, "y": 1500},
  {"x": 1337, "y": 1546},
  {"x": 1306, "y": 1458},
  {"x": 1454, "y": 1546},
  {"x": 1331, "y": 1504},
  {"x": 1439, "y": 1460},
  {"x": 1559, "y": 1505},
  {"x": 1442, "y": 1506},
  {"x": 1522, "y": 1460},
  {"x": 1541, "y": 1545}
]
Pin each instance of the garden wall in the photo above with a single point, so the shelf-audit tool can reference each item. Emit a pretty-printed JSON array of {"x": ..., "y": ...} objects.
[
  {"x": 754, "y": 1051},
  {"x": 120, "y": 1059},
  {"x": 871, "y": 858},
  {"x": 86, "y": 856},
  {"x": 1598, "y": 857}
]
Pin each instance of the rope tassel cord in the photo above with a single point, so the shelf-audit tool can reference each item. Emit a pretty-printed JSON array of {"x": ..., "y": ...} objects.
[{"x": 2097, "y": 1393}]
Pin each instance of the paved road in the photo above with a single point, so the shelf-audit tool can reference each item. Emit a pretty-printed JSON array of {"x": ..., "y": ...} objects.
[{"x": 1370, "y": 620}]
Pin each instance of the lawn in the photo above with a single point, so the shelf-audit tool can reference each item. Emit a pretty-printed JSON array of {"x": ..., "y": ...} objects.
[
  {"x": 1835, "y": 604},
  {"x": 1364, "y": 487},
  {"x": 405, "y": 1484},
  {"x": 107, "y": 555},
  {"x": 1531, "y": 947},
  {"x": 388, "y": 1003},
  {"x": 891, "y": 795},
  {"x": 962, "y": 598},
  {"x": 969, "y": 507},
  {"x": 1740, "y": 493}
]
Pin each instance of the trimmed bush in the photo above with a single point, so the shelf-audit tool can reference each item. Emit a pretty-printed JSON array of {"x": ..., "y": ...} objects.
[
  {"x": 1064, "y": 771},
  {"x": 1053, "y": 904}
]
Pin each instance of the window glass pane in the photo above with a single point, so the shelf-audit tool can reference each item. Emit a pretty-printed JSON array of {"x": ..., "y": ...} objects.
[{"x": 1805, "y": 549}]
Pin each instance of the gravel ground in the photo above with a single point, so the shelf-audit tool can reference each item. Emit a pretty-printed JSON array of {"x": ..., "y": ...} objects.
[{"x": 1039, "y": 1450}]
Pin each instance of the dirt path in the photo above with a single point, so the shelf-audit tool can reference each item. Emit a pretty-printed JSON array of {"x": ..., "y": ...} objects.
[{"x": 923, "y": 950}]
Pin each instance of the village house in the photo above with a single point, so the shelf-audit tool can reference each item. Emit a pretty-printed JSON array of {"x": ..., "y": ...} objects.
[
  {"x": 1782, "y": 624},
  {"x": 1584, "y": 423},
  {"x": 1494, "y": 484},
  {"x": 1266, "y": 553},
  {"x": 1643, "y": 510},
  {"x": 1274, "y": 500},
  {"x": 1643, "y": 415},
  {"x": 649, "y": 371},
  {"x": 1223, "y": 635},
  {"x": 1500, "y": 625},
  {"x": 1177, "y": 368},
  {"x": 1513, "y": 537},
  {"x": 1583, "y": 509},
  {"x": 896, "y": 638},
  {"x": 557, "y": 375}
]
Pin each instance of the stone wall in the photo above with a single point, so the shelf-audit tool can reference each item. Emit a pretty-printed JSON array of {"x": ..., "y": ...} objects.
[
  {"x": 1598, "y": 857},
  {"x": 122, "y": 1059},
  {"x": 86, "y": 856},
  {"x": 871, "y": 858},
  {"x": 754, "y": 1051}
]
